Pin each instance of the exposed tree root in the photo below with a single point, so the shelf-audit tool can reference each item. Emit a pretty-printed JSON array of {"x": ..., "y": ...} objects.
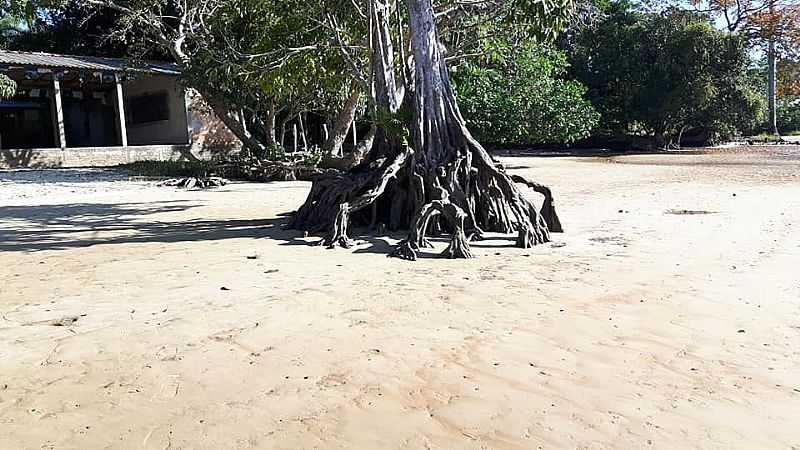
[
  {"x": 338, "y": 232},
  {"x": 254, "y": 169},
  {"x": 465, "y": 198},
  {"x": 195, "y": 182},
  {"x": 548, "y": 210},
  {"x": 459, "y": 245},
  {"x": 354, "y": 198}
]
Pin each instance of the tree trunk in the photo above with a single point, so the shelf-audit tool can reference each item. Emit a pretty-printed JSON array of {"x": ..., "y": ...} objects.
[
  {"x": 282, "y": 127},
  {"x": 233, "y": 123},
  {"x": 771, "y": 89},
  {"x": 333, "y": 145},
  {"x": 384, "y": 84},
  {"x": 294, "y": 138},
  {"x": 443, "y": 180},
  {"x": 301, "y": 122},
  {"x": 269, "y": 126},
  {"x": 458, "y": 176}
]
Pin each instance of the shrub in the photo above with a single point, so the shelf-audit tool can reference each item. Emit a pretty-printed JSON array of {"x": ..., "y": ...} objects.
[{"x": 521, "y": 97}]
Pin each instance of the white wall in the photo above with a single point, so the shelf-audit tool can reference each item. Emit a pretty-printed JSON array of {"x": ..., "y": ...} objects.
[{"x": 175, "y": 130}]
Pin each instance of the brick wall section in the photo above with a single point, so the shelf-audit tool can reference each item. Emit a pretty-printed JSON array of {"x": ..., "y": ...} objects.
[{"x": 91, "y": 157}]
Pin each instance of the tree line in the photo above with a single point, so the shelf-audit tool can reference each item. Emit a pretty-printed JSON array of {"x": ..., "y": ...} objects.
[{"x": 674, "y": 74}]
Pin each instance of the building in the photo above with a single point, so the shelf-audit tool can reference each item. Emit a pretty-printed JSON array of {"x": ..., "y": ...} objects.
[{"x": 73, "y": 111}]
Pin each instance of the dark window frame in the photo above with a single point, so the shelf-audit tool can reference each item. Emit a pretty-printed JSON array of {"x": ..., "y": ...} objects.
[{"x": 147, "y": 108}]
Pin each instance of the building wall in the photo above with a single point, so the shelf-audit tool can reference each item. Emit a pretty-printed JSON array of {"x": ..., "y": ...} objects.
[
  {"x": 174, "y": 130},
  {"x": 93, "y": 157}
]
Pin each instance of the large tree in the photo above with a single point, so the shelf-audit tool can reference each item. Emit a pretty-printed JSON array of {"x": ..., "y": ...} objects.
[{"x": 426, "y": 173}]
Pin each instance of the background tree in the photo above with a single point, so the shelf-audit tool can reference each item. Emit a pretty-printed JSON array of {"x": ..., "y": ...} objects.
[
  {"x": 241, "y": 53},
  {"x": 661, "y": 74},
  {"x": 68, "y": 27},
  {"x": 519, "y": 96},
  {"x": 788, "y": 78},
  {"x": 773, "y": 25},
  {"x": 12, "y": 24},
  {"x": 259, "y": 65},
  {"x": 788, "y": 119}
]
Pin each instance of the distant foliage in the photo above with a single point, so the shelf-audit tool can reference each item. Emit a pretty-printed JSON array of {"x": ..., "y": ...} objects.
[
  {"x": 7, "y": 87},
  {"x": 788, "y": 78},
  {"x": 520, "y": 96},
  {"x": 789, "y": 115},
  {"x": 662, "y": 74},
  {"x": 788, "y": 99}
]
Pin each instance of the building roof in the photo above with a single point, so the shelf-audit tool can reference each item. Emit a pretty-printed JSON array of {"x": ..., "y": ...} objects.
[{"x": 49, "y": 60}]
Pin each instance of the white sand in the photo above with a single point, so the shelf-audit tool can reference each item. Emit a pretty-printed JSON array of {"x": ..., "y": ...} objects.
[{"x": 645, "y": 330}]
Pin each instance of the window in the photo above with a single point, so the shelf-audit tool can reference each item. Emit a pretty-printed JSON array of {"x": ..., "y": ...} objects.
[{"x": 148, "y": 108}]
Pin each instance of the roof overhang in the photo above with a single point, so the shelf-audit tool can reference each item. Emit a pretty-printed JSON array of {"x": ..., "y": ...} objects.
[{"x": 44, "y": 62}]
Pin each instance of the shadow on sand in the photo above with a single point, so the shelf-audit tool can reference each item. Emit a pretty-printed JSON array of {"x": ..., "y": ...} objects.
[
  {"x": 31, "y": 175},
  {"x": 58, "y": 227},
  {"x": 66, "y": 226}
]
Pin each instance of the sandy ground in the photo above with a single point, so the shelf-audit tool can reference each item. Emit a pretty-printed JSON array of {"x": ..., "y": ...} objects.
[{"x": 642, "y": 327}]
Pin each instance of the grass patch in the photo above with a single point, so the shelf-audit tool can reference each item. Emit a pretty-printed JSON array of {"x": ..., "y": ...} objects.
[
  {"x": 765, "y": 137},
  {"x": 768, "y": 137},
  {"x": 168, "y": 169}
]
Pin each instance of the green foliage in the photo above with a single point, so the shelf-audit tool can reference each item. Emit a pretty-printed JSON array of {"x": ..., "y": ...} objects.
[
  {"x": 276, "y": 153},
  {"x": 288, "y": 62},
  {"x": 519, "y": 96},
  {"x": 7, "y": 87},
  {"x": 545, "y": 18},
  {"x": 312, "y": 157},
  {"x": 789, "y": 116},
  {"x": 70, "y": 27},
  {"x": 11, "y": 25},
  {"x": 271, "y": 153},
  {"x": 659, "y": 74},
  {"x": 538, "y": 20},
  {"x": 394, "y": 124}
]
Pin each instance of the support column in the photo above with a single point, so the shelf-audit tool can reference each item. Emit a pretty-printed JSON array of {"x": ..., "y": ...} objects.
[
  {"x": 61, "y": 133},
  {"x": 123, "y": 130}
]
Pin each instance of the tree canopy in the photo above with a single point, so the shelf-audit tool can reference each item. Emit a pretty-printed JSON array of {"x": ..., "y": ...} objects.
[{"x": 662, "y": 73}]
